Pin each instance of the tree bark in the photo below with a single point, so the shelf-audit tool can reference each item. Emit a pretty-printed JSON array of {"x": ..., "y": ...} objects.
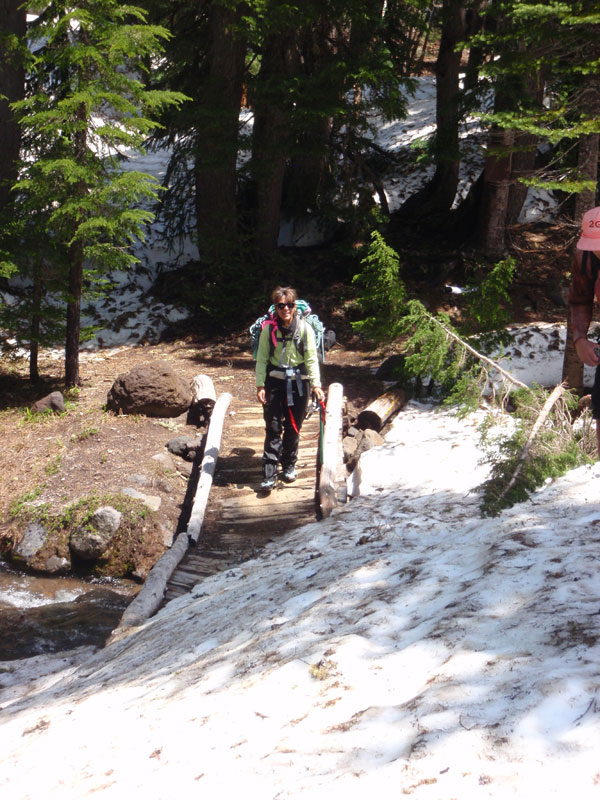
[
  {"x": 271, "y": 137},
  {"x": 438, "y": 195},
  {"x": 75, "y": 276},
  {"x": 207, "y": 469},
  {"x": 376, "y": 414},
  {"x": 332, "y": 450},
  {"x": 447, "y": 109},
  {"x": 72, "y": 335},
  {"x": 36, "y": 316},
  {"x": 217, "y": 138},
  {"x": 12, "y": 83},
  {"x": 496, "y": 188}
]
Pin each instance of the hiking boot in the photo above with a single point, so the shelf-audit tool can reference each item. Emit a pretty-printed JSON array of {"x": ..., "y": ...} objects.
[
  {"x": 267, "y": 484},
  {"x": 289, "y": 474}
]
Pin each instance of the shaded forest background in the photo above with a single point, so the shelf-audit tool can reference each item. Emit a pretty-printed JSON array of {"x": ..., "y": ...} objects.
[{"x": 85, "y": 84}]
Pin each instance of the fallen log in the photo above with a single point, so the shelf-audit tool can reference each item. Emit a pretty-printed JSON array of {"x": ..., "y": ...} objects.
[
  {"x": 332, "y": 457},
  {"x": 151, "y": 595},
  {"x": 207, "y": 469},
  {"x": 203, "y": 400},
  {"x": 376, "y": 414},
  {"x": 551, "y": 400}
]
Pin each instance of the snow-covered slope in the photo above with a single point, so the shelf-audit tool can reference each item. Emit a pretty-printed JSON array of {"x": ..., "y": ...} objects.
[{"x": 403, "y": 646}]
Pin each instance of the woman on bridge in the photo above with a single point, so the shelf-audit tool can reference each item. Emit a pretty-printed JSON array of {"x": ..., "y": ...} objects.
[{"x": 286, "y": 366}]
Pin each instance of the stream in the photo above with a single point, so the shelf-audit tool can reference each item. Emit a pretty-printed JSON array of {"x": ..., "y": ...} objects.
[{"x": 42, "y": 614}]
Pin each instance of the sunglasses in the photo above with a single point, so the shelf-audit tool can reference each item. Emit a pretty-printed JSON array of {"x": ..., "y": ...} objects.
[{"x": 281, "y": 306}]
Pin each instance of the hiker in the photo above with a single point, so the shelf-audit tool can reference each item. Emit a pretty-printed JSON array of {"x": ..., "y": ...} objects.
[
  {"x": 584, "y": 285},
  {"x": 287, "y": 369}
]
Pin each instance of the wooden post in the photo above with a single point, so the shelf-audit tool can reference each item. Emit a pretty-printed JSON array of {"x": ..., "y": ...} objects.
[
  {"x": 150, "y": 596},
  {"x": 376, "y": 413},
  {"x": 207, "y": 469},
  {"x": 203, "y": 400},
  {"x": 332, "y": 450}
]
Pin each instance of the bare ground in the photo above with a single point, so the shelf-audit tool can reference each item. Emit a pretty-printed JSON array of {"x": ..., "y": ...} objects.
[{"x": 56, "y": 460}]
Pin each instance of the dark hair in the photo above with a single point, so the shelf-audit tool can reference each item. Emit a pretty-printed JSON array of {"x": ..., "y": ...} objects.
[{"x": 284, "y": 291}]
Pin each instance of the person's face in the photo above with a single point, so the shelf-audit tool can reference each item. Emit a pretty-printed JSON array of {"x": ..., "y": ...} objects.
[{"x": 285, "y": 308}]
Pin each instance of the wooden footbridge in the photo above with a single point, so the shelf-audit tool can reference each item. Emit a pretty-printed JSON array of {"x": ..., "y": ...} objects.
[{"x": 233, "y": 523}]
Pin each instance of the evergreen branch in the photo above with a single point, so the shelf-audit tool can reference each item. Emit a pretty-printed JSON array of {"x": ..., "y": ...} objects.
[
  {"x": 552, "y": 398},
  {"x": 475, "y": 353}
]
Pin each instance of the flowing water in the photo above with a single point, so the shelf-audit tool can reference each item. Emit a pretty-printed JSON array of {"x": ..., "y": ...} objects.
[{"x": 40, "y": 614}]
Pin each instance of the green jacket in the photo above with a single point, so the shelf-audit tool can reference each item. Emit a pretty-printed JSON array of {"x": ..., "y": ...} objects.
[{"x": 292, "y": 357}]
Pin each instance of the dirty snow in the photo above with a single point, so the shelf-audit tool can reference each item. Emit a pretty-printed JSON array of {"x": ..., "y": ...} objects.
[{"x": 404, "y": 645}]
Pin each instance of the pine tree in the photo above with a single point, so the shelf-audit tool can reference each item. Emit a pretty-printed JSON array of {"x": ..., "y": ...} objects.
[{"x": 88, "y": 110}]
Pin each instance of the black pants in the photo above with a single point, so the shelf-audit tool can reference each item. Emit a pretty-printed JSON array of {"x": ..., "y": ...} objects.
[
  {"x": 278, "y": 448},
  {"x": 596, "y": 395}
]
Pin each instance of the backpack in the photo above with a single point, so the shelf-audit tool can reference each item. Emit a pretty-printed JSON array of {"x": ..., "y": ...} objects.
[{"x": 305, "y": 317}]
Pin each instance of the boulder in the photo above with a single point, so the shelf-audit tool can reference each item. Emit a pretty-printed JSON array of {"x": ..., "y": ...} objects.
[
  {"x": 55, "y": 565},
  {"x": 31, "y": 542},
  {"x": 54, "y": 401},
  {"x": 186, "y": 447},
  {"x": 90, "y": 543},
  {"x": 354, "y": 446},
  {"x": 370, "y": 439},
  {"x": 154, "y": 389},
  {"x": 150, "y": 500}
]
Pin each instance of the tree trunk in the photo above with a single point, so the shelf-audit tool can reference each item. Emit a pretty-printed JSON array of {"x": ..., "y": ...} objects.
[
  {"x": 524, "y": 151},
  {"x": 308, "y": 175},
  {"x": 572, "y": 372},
  {"x": 36, "y": 316},
  {"x": 438, "y": 195},
  {"x": 496, "y": 179},
  {"x": 447, "y": 109},
  {"x": 217, "y": 138},
  {"x": 12, "y": 82},
  {"x": 75, "y": 287},
  {"x": 271, "y": 137}
]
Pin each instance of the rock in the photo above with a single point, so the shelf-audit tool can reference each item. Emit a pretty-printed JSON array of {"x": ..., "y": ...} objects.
[
  {"x": 165, "y": 460},
  {"x": 185, "y": 468},
  {"x": 54, "y": 401},
  {"x": 106, "y": 520},
  {"x": 369, "y": 439},
  {"x": 349, "y": 446},
  {"x": 153, "y": 389},
  {"x": 392, "y": 369},
  {"x": 168, "y": 534},
  {"x": 152, "y": 501},
  {"x": 329, "y": 339},
  {"x": 187, "y": 447},
  {"x": 90, "y": 544},
  {"x": 32, "y": 542},
  {"x": 57, "y": 566}
]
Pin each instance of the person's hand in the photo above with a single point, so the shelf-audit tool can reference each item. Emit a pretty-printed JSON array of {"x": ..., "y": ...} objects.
[
  {"x": 588, "y": 352},
  {"x": 319, "y": 393},
  {"x": 262, "y": 395}
]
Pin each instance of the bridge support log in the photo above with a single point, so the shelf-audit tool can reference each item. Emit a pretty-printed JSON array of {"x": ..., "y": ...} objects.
[
  {"x": 207, "y": 470},
  {"x": 376, "y": 414},
  {"x": 150, "y": 596},
  {"x": 332, "y": 450},
  {"x": 203, "y": 400}
]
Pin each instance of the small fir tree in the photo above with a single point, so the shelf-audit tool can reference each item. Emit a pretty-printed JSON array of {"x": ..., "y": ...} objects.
[
  {"x": 87, "y": 111},
  {"x": 546, "y": 440}
]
